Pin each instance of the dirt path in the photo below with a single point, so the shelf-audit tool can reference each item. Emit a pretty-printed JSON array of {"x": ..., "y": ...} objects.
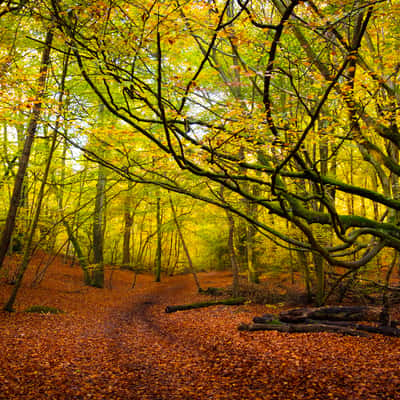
[
  {"x": 120, "y": 344},
  {"x": 176, "y": 361}
]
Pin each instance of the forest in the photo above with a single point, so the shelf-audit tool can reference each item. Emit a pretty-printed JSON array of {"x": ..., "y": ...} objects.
[{"x": 226, "y": 159}]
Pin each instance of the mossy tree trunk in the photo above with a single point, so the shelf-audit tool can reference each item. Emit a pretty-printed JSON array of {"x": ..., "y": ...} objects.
[{"x": 97, "y": 269}]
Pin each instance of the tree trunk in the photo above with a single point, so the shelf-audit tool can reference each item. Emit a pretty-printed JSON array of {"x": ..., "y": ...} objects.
[
  {"x": 24, "y": 160},
  {"x": 28, "y": 244},
  {"x": 232, "y": 253},
  {"x": 79, "y": 253},
  {"x": 250, "y": 239},
  {"x": 320, "y": 276},
  {"x": 128, "y": 222},
  {"x": 97, "y": 270},
  {"x": 159, "y": 238},
  {"x": 185, "y": 249},
  {"x": 72, "y": 234}
]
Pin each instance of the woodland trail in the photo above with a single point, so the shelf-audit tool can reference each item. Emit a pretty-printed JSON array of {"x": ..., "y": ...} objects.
[{"x": 120, "y": 344}]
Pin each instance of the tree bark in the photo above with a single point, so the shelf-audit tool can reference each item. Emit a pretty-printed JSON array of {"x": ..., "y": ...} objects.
[
  {"x": 28, "y": 244},
  {"x": 97, "y": 269},
  {"x": 24, "y": 159},
  {"x": 323, "y": 319},
  {"x": 186, "y": 250},
  {"x": 97, "y": 272},
  {"x": 351, "y": 329},
  {"x": 301, "y": 328},
  {"x": 232, "y": 253},
  {"x": 159, "y": 238},
  {"x": 128, "y": 222},
  {"x": 356, "y": 313}
]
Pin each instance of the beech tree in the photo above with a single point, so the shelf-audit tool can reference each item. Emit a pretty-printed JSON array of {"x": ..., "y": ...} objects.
[
  {"x": 310, "y": 72},
  {"x": 291, "y": 107},
  {"x": 26, "y": 151}
]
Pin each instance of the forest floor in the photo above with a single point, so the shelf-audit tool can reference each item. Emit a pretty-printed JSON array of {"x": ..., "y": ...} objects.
[{"x": 120, "y": 344}]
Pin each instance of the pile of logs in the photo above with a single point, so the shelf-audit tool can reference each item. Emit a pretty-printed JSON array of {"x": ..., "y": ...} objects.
[
  {"x": 344, "y": 320},
  {"x": 227, "y": 302}
]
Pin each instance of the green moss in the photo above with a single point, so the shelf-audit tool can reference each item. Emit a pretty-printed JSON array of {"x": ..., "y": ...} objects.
[
  {"x": 275, "y": 322},
  {"x": 43, "y": 310}
]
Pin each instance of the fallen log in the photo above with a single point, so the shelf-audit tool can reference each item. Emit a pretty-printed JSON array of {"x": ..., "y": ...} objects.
[
  {"x": 227, "y": 302},
  {"x": 264, "y": 319},
  {"x": 301, "y": 328},
  {"x": 382, "y": 330},
  {"x": 339, "y": 319},
  {"x": 339, "y": 313}
]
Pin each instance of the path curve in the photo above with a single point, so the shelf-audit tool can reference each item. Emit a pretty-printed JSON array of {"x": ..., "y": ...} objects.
[{"x": 121, "y": 345}]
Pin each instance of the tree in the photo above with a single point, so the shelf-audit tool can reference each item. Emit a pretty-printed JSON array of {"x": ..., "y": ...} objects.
[
  {"x": 157, "y": 263},
  {"x": 185, "y": 248},
  {"x": 128, "y": 223},
  {"x": 97, "y": 273},
  {"x": 11, "y": 6},
  {"x": 24, "y": 159},
  {"x": 310, "y": 72}
]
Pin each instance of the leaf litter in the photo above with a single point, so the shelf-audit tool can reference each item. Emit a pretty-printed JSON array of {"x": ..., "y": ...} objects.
[{"x": 120, "y": 344}]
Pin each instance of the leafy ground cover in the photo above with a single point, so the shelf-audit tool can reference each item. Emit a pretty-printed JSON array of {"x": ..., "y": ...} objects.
[{"x": 120, "y": 344}]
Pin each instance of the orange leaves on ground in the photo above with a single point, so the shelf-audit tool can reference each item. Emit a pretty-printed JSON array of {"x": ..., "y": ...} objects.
[{"x": 119, "y": 344}]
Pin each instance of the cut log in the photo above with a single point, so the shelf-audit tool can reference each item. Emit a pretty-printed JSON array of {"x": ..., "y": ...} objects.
[
  {"x": 358, "y": 313},
  {"x": 228, "y": 302}
]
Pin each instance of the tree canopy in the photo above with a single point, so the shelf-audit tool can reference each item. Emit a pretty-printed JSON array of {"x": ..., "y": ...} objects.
[
  {"x": 283, "y": 113},
  {"x": 268, "y": 100}
]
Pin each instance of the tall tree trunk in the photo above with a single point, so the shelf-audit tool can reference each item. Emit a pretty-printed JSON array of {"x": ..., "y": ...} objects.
[
  {"x": 97, "y": 278},
  {"x": 159, "y": 238},
  {"x": 250, "y": 245},
  {"x": 231, "y": 248},
  {"x": 320, "y": 275},
  {"x": 29, "y": 241},
  {"x": 24, "y": 160},
  {"x": 23, "y": 207},
  {"x": 72, "y": 234},
  {"x": 97, "y": 269},
  {"x": 128, "y": 222},
  {"x": 28, "y": 244},
  {"x": 78, "y": 251},
  {"x": 232, "y": 254},
  {"x": 185, "y": 248}
]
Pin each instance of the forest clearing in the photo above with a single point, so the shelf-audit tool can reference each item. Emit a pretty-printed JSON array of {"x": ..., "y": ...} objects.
[{"x": 120, "y": 344}]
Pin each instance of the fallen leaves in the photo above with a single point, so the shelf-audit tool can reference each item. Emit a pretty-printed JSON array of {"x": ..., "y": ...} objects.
[{"x": 120, "y": 344}]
